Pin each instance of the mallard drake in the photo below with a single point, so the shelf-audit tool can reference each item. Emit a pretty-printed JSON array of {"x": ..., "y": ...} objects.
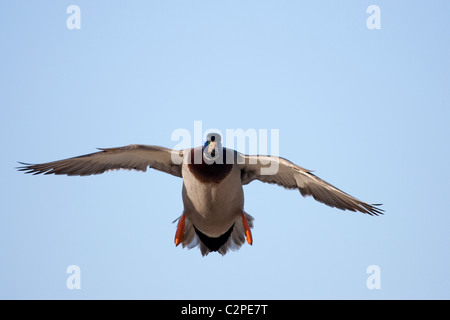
[{"x": 213, "y": 178}]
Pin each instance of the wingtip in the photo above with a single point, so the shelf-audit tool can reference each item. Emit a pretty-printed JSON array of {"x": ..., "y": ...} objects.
[
  {"x": 24, "y": 166},
  {"x": 375, "y": 210}
]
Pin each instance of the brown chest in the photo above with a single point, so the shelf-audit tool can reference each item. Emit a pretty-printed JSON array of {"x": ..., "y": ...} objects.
[{"x": 208, "y": 173}]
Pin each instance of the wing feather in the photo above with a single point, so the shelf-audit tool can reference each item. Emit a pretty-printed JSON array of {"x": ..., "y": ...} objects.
[
  {"x": 131, "y": 157},
  {"x": 284, "y": 173}
]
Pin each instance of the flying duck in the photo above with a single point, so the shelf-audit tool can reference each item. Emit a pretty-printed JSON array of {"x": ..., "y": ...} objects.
[{"x": 213, "y": 176}]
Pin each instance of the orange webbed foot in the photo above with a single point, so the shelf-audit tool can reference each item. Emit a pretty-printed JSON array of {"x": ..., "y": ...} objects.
[
  {"x": 179, "y": 234},
  {"x": 248, "y": 232}
]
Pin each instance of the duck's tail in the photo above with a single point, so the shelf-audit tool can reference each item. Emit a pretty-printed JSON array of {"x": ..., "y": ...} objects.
[{"x": 189, "y": 236}]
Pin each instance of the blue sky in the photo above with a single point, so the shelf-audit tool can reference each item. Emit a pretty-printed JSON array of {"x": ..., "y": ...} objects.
[{"x": 367, "y": 110}]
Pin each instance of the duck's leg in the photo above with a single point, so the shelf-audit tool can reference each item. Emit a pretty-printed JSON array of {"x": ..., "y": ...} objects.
[
  {"x": 248, "y": 232},
  {"x": 179, "y": 234}
]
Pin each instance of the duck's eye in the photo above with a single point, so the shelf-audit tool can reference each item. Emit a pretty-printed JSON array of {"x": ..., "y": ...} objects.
[{"x": 213, "y": 138}]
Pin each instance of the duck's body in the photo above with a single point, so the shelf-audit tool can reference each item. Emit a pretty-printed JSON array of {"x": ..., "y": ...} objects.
[
  {"x": 213, "y": 200},
  {"x": 212, "y": 204},
  {"x": 213, "y": 177}
]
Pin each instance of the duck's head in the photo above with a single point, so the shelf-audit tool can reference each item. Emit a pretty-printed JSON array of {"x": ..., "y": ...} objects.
[{"x": 212, "y": 147}]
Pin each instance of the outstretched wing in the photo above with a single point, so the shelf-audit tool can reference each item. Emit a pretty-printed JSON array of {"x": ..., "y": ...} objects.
[
  {"x": 284, "y": 173},
  {"x": 137, "y": 157}
]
